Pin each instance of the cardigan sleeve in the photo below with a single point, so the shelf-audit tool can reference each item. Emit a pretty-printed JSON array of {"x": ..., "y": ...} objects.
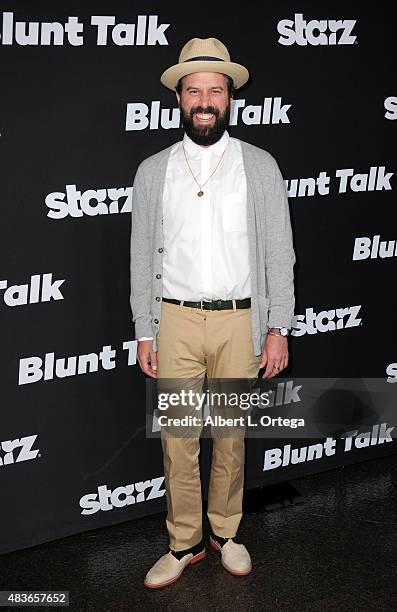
[
  {"x": 140, "y": 260},
  {"x": 280, "y": 255}
]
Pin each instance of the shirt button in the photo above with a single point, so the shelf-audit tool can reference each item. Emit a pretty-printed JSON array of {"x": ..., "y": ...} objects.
[
  {"x": 160, "y": 250},
  {"x": 158, "y": 275},
  {"x": 157, "y": 299},
  {"x": 156, "y": 321}
]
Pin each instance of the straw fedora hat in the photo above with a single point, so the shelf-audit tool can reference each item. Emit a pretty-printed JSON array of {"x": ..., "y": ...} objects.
[{"x": 204, "y": 55}]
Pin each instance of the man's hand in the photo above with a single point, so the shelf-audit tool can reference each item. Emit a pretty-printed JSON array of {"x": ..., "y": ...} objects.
[
  {"x": 147, "y": 357},
  {"x": 274, "y": 355}
]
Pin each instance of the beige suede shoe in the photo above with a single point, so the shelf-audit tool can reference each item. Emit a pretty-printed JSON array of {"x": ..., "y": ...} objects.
[
  {"x": 235, "y": 558},
  {"x": 168, "y": 569}
]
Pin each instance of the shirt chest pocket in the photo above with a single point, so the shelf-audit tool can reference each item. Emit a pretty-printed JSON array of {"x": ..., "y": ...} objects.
[{"x": 234, "y": 213}]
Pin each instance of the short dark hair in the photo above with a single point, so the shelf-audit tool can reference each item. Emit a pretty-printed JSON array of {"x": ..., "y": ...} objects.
[{"x": 230, "y": 85}]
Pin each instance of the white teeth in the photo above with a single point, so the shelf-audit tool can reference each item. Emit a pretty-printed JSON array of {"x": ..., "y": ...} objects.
[{"x": 206, "y": 116}]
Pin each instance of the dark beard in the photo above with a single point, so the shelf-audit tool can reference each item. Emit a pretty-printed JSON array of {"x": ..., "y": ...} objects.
[{"x": 205, "y": 135}]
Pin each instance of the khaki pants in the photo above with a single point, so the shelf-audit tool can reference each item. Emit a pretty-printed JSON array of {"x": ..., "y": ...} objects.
[{"x": 192, "y": 342}]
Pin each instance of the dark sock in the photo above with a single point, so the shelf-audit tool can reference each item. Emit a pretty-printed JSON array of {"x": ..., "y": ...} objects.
[
  {"x": 194, "y": 550},
  {"x": 222, "y": 541}
]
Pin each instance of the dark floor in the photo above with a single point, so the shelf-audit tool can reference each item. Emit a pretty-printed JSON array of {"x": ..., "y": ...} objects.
[{"x": 336, "y": 551}]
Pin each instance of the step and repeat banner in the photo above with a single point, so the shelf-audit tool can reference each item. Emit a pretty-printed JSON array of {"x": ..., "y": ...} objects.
[{"x": 81, "y": 106}]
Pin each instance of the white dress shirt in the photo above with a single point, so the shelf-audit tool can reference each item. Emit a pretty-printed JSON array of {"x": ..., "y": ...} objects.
[{"x": 205, "y": 238}]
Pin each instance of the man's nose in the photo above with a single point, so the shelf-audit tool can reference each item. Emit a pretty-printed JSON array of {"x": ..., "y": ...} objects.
[{"x": 205, "y": 100}]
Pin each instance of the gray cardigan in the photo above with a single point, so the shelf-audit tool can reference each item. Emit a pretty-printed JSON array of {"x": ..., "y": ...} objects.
[{"x": 271, "y": 252}]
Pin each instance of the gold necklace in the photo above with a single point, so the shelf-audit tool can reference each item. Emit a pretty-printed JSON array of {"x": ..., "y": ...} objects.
[{"x": 201, "y": 192}]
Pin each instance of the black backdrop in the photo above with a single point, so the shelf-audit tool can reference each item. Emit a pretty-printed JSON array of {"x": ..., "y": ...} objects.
[{"x": 69, "y": 441}]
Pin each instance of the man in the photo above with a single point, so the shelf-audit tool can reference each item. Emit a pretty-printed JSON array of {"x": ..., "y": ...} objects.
[{"x": 211, "y": 288}]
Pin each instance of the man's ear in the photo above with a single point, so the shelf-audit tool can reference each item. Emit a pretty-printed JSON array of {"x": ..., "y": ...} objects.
[{"x": 178, "y": 97}]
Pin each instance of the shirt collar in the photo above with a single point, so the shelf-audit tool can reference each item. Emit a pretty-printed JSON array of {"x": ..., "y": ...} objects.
[{"x": 192, "y": 149}]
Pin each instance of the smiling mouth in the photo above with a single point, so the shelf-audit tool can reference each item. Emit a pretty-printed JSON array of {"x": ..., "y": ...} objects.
[{"x": 204, "y": 117}]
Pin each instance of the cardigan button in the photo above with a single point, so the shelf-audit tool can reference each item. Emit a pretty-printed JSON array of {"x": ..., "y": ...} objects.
[
  {"x": 157, "y": 299},
  {"x": 156, "y": 321},
  {"x": 160, "y": 250},
  {"x": 158, "y": 275}
]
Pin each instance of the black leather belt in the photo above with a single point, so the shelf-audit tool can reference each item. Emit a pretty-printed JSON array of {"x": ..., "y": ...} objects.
[{"x": 213, "y": 304}]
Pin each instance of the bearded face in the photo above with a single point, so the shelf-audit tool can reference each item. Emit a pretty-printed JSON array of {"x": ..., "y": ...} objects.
[{"x": 205, "y": 106}]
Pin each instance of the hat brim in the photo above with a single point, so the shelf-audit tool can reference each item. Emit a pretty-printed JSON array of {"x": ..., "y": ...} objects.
[{"x": 237, "y": 72}]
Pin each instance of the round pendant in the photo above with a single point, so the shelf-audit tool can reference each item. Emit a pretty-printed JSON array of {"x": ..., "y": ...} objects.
[{"x": 200, "y": 193}]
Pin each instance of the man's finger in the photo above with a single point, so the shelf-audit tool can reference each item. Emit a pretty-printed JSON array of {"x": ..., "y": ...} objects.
[
  {"x": 263, "y": 361},
  {"x": 153, "y": 360},
  {"x": 151, "y": 364},
  {"x": 144, "y": 360},
  {"x": 149, "y": 371},
  {"x": 269, "y": 369}
]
